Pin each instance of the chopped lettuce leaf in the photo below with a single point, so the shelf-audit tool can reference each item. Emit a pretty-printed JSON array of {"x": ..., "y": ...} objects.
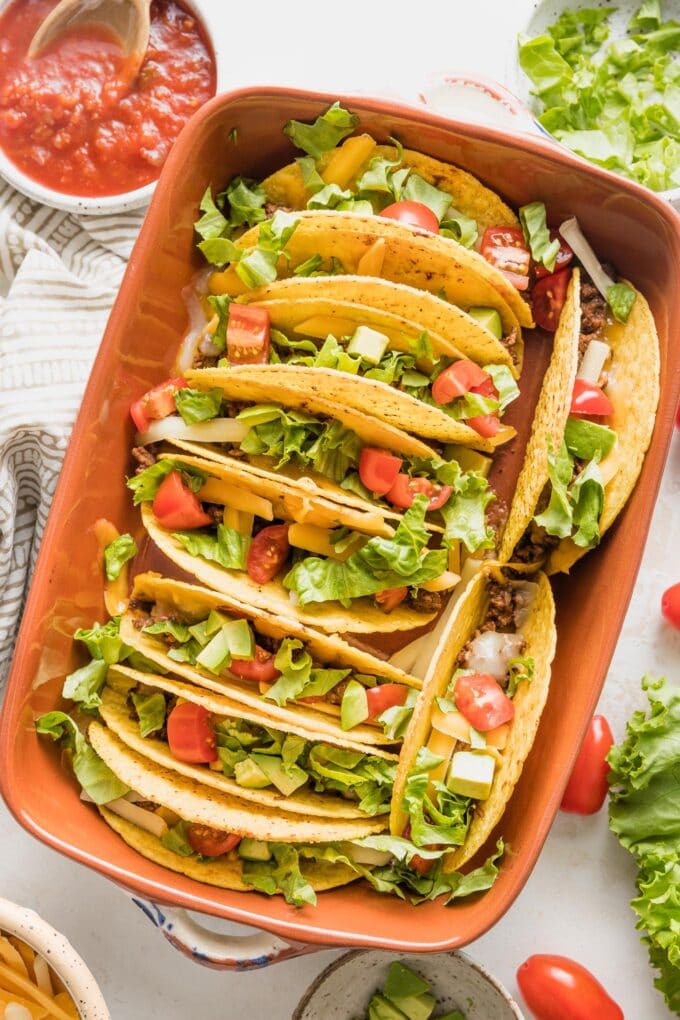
[
  {"x": 505, "y": 383},
  {"x": 93, "y": 774},
  {"x": 213, "y": 223},
  {"x": 175, "y": 840},
  {"x": 151, "y": 711},
  {"x": 228, "y": 547},
  {"x": 103, "y": 641},
  {"x": 537, "y": 236},
  {"x": 313, "y": 180},
  {"x": 464, "y": 513},
  {"x": 293, "y": 436},
  {"x": 460, "y": 227},
  {"x": 395, "y": 720},
  {"x": 621, "y": 298},
  {"x": 280, "y": 875},
  {"x": 259, "y": 265},
  {"x": 557, "y": 518},
  {"x": 298, "y": 677},
  {"x": 445, "y": 822},
  {"x": 309, "y": 267},
  {"x": 85, "y": 684},
  {"x": 117, "y": 554},
  {"x": 587, "y": 498},
  {"x": 246, "y": 200},
  {"x": 220, "y": 304},
  {"x": 417, "y": 189},
  {"x": 325, "y": 133},
  {"x": 198, "y": 405}
]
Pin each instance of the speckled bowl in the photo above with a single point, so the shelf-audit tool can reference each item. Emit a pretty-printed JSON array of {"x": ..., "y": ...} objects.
[
  {"x": 59, "y": 954},
  {"x": 344, "y": 989}
]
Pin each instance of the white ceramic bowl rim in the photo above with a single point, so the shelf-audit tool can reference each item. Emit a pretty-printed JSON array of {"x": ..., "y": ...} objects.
[{"x": 59, "y": 954}]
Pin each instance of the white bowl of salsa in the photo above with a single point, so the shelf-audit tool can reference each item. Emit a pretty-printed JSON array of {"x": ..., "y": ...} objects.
[{"x": 74, "y": 137}]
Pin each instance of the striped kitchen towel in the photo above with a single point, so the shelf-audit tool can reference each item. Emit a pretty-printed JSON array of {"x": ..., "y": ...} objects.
[{"x": 59, "y": 275}]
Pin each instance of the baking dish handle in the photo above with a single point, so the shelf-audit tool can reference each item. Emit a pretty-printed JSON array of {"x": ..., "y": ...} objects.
[
  {"x": 470, "y": 96},
  {"x": 219, "y": 950}
]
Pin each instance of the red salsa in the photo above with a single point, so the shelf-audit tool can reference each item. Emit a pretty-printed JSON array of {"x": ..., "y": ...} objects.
[{"x": 71, "y": 121}]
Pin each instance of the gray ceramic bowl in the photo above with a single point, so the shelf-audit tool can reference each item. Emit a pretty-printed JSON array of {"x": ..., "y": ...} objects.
[{"x": 343, "y": 990}]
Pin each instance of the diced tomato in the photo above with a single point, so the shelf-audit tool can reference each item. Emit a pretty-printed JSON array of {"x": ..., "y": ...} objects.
[
  {"x": 587, "y": 787},
  {"x": 557, "y": 988},
  {"x": 247, "y": 335},
  {"x": 378, "y": 470},
  {"x": 211, "y": 842},
  {"x": 157, "y": 403},
  {"x": 176, "y": 506},
  {"x": 564, "y": 257},
  {"x": 390, "y": 598},
  {"x": 259, "y": 669},
  {"x": 268, "y": 552},
  {"x": 588, "y": 399},
  {"x": 190, "y": 734},
  {"x": 547, "y": 299},
  {"x": 483, "y": 702},
  {"x": 461, "y": 377},
  {"x": 670, "y": 605},
  {"x": 486, "y": 425},
  {"x": 384, "y": 696},
  {"x": 420, "y": 865},
  {"x": 505, "y": 248},
  {"x": 416, "y": 214},
  {"x": 405, "y": 490}
]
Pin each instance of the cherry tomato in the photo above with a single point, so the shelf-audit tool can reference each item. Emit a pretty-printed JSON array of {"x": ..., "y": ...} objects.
[
  {"x": 547, "y": 299},
  {"x": 416, "y": 214},
  {"x": 588, "y": 399},
  {"x": 259, "y": 669},
  {"x": 378, "y": 470},
  {"x": 557, "y": 988},
  {"x": 247, "y": 335},
  {"x": 587, "y": 786},
  {"x": 405, "y": 490},
  {"x": 390, "y": 598},
  {"x": 486, "y": 425},
  {"x": 505, "y": 248},
  {"x": 176, "y": 506},
  {"x": 670, "y": 605},
  {"x": 268, "y": 552},
  {"x": 157, "y": 403},
  {"x": 190, "y": 734},
  {"x": 458, "y": 379},
  {"x": 384, "y": 696},
  {"x": 211, "y": 842},
  {"x": 564, "y": 257},
  {"x": 483, "y": 702}
]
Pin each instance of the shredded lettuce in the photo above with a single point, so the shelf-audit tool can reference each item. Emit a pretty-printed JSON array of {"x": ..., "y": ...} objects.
[
  {"x": 198, "y": 405},
  {"x": 298, "y": 676},
  {"x": 325, "y": 133},
  {"x": 85, "y": 684},
  {"x": 103, "y": 641},
  {"x": 176, "y": 840},
  {"x": 151, "y": 710},
  {"x": 280, "y": 875},
  {"x": 446, "y": 821},
  {"x": 227, "y": 547},
  {"x": 460, "y": 227},
  {"x": 537, "y": 235},
  {"x": 417, "y": 189},
  {"x": 117, "y": 554},
  {"x": 245, "y": 200},
  {"x": 575, "y": 507},
  {"x": 93, "y": 774},
  {"x": 105, "y": 645},
  {"x": 505, "y": 383},
  {"x": 464, "y": 513}
]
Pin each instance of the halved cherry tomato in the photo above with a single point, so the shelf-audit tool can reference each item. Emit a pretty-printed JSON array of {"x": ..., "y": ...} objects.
[
  {"x": 557, "y": 988},
  {"x": 547, "y": 299},
  {"x": 405, "y": 490},
  {"x": 190, "y": 734},
  {"x": 670, "y": 605},
  {"x": 157, "y": 403},
  {"x": 390, "y": 598},
  {"x": 176, "y": 506},
  {"x": 588, "y": 399},
  {"x": 268, "y": 552},
  {"x": 483, "y": 702},
  {"x": 486, "y": 424},
  {"x": 563, "y": 259},
  {"x": 259, "y": 669},
  {"x": 505, "y": 248},
  {"x": 378, "y": 470},
  {"x": 461, "y": 377},
  {"x": 248, "y": 335},
  {"x": 382, "y": 697},
  {"x": 416, "y": 214},
  {"x": 587, "y": 786},
  {"x": 211, "y": 842}
]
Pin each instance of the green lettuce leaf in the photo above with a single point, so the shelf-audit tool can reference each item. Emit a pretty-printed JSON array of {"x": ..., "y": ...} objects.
[
  {"x": 228, "y": 547},
  {"x": 537, "y": 236},
  {"x": 464, "y": 513},
  {"x": 298, "y": 677},
  {"x": 280, "y": 875},
  {"x": 85, "y": 684},
  {"x": 417, "y": 189},
  {"x": 557, "y": 518},
  {"x": 198, "y": 405},
  {"x": 151, "y": 710},
  {"x": 146, "y": 484},
  {"x": 175, "y": 840},
  {"x": 505, "y": 383},
  {"x": 587, "y": 499},
  {"x": 621, "y": 298},
  {"x": 259, "y": 265},
  {"x": 220, "y": 305},
  {"x": 117, "y": 554},
  {"x": 213, "y": 223},
  {"x": 325, "y": 133},
  {"x": 103, "y": 641},
  {"x": 93, "y": 774},
  {"x": 299, "y": 438},
  {"x": 309, "y": 267},
  {"x": 460, "y": 227},
  {"x": 445, "y": 822},
  {"x": 246, "y": 200}
]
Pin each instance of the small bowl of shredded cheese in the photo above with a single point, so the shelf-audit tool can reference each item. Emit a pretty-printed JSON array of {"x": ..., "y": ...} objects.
[{"x": 41, "y": 975}]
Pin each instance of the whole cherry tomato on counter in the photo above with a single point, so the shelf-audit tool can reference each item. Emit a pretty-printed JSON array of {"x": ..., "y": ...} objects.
[
  {"x": 557, "y": 988},
  {"x": 670, "y": 604},
  {"x": 587, "y": 786}
]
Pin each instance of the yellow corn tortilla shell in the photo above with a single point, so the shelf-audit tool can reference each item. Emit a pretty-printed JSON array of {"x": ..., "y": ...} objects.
[
  {"x": 540, "y": 634},
  {"x": 550, "y": 419},
  {"x": 202, "y": 805},
  {"x": 115, "y": 713},
  {"x": 398, "y": 311},
  {"x": 225, "y": 872},
  {"x": 633, "y": 388},
  {"x": 468, "y": 194},
  {"x": 363, "y": 618},
  {"x": 425, "y": 261},
  {"x": 386, "y": 402}
]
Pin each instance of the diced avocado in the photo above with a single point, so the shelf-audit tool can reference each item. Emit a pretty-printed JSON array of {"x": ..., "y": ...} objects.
[
  {"x": 586, "y": 438},
  {"x": 287, "y": 779},
  {"x": 380, "y": 1008},
  {"x": 354, "y": 706},
  {"x": 416, "y": 1007},
  {"x": 216, "y": 655},
  {"x": 489, "y": 318},
  {"x": 469, "y": 460},
  {"x": 409, "y": 992},
  {"x": 215, "y": 622},
  {"x": 248, "y": 774},
  {"x": 471, "y": 774},
  {"x": 254, "y": 849},
  {"x": 199, "y": 631},
  {"x": 240, "y": 639},
  {"x": 369, "y": 344}
]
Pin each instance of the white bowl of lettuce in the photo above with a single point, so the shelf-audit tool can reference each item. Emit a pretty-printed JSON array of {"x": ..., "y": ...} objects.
[{"x": 604, "y": 80}]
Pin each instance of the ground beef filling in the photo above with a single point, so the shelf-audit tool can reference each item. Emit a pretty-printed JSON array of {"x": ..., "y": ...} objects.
[
  {"x": 425, "y": 601},
  {"x": 593, "y": 313},
  {"x": 145, "y": 457},
  {"x": 505, "y": 602}
]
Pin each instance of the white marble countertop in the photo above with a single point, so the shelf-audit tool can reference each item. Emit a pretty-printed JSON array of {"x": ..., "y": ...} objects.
[{"x": 576, "y": 901}]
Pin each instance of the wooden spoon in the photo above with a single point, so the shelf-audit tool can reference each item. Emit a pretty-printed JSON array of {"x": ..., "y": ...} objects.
[{"x": 126, "y": 19}]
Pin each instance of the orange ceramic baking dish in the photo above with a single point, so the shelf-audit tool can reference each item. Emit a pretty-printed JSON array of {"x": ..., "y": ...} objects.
[{"x": 624, "y": 222}]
